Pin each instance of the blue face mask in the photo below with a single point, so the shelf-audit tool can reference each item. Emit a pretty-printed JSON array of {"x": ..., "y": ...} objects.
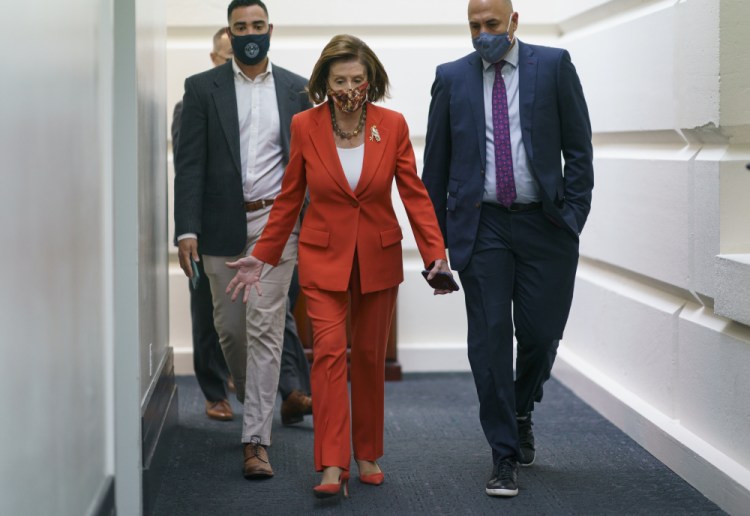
[
  {"x": 493, "y": 47},
  {"x": 251, "y": 48}
]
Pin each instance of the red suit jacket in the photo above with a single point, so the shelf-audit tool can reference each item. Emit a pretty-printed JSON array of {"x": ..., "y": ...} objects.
[{"x": 339, "y": 222}]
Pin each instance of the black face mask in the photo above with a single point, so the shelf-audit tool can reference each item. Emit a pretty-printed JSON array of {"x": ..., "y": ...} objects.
[{"x": 251, "y": 48}]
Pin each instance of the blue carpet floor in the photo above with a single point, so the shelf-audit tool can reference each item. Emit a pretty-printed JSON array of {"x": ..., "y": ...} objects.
[{"x": 436, "y": 462}]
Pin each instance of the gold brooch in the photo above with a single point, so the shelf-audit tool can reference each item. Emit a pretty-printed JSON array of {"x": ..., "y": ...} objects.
[{"x": 374, "y": 134}]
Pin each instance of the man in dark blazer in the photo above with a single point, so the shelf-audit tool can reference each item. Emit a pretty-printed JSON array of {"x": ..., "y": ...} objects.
[
  {"x": 234, "y": 146},
  {"x": 502, "y": 120},
  {"x": 208, "y": 360}
]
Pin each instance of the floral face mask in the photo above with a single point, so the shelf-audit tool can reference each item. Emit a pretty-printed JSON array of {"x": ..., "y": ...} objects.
[{"x": 349, "y": 100}]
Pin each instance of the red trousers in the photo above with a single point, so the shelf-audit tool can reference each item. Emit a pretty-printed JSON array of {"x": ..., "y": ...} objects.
[{"x": 371, "y": 317}]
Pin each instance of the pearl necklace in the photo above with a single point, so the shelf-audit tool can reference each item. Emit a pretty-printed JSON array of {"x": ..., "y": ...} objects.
[{"x": 344, "y": 134}]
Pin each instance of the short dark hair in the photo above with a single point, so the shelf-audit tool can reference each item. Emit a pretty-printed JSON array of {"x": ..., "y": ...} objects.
[
  {"x": 345, "y": 47},
  {"x": 245, "y": 3}
]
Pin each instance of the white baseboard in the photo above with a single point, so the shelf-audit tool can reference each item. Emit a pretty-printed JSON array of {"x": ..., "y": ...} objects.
[
  {"x": 414, "y": 358},
  {"x": 183, "y": 361},
  {"x": 435, "y": 357},
  {"x": 719, "y": 478}
]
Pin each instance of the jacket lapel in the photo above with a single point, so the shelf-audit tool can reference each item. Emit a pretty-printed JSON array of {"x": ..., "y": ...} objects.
[
  {"x": 475, "y": 94},
  {"x": 325, "y": 146},
  {"x": 285, "y": 99},
  {"x": 225, "y": 99},
  {"x": 527, "y": 67},
  {"x": 373, "y": 147}
]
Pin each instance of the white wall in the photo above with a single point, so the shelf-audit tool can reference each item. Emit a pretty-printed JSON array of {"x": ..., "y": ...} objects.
[
  {"x": 666, "y": 84},
  {"x": 139, "y": 228},
  {"x": 667, "y": 240},
  {"x": 55, "y": 379},
  {"x": 83, "y": 205},
  {"x": 152, "y": 184}
]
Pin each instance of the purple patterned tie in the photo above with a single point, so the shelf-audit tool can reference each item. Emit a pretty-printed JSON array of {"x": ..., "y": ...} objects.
[{"x": 505, "y": 185}]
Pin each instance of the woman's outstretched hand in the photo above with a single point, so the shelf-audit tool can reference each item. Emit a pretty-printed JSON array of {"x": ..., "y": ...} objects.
[{"x": 248, "y": 273}]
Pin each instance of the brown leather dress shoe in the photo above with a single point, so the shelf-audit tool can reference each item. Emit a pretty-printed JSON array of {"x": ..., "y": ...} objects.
[
  {"x": 295, "y": 407},
  {"x": 257, "y": 465},
  {"x": 220, "y": 410}
]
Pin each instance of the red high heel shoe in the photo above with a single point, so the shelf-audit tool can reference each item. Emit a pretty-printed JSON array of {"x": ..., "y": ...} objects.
[
  {"x": 374, "y": 479},
  {"x": 330, "y": 490}
]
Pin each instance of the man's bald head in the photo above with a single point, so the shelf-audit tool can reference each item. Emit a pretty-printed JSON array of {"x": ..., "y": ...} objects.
[
  {"x": 492, "y": 17},
  {"x": 222, "y": 51},
  {"x": 506, "y": 5}
]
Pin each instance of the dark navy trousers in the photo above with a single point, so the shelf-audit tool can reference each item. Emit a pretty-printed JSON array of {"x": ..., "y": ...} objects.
[
  {"x": 519, "y": 280},
  {"x": 208, "y": 359}
]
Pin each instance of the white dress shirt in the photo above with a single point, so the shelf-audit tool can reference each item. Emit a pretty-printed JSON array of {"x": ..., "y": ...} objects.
[
  {"x": 527, "y": 189},
  {"x": 261, "y": 155}
]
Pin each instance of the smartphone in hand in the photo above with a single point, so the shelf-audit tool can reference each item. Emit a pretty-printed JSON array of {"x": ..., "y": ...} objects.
[
  {"x": 196, "y": 275},
  {"x": 441, "y": 281}
]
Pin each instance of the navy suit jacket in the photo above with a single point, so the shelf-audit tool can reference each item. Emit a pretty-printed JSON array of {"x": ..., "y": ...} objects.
[
  {"x": 208, "y": 197},
  {"x": 555, "y": 126}
]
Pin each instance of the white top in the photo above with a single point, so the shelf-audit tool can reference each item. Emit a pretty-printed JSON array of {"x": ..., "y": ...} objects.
[
  {"x": 261, "y": 155},
  {"x": 351, "y": 162}
]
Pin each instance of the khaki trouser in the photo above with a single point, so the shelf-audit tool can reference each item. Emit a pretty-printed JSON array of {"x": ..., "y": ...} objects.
[{"x": 252, "y": 335}]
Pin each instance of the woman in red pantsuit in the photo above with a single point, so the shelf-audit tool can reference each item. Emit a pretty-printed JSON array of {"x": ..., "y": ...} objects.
[{"x": 347, "y": 152}]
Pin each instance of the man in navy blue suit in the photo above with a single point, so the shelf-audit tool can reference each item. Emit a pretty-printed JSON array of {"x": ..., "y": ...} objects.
[{"x": 508, "y": 165}]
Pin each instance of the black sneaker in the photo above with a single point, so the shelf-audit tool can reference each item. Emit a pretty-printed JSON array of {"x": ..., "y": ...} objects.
[
  {"x": 504, "y": 481},
  {"x": 526, "y": 440}
]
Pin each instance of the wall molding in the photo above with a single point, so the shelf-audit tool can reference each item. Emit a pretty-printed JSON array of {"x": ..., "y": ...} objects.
[
  {"x": 413, "y": 358},
  {"x": 718, "y": 477},
  {"x": 433, "y": 357},
  {"x": 158, "y": 427},
  {"x": 104, "y": 503}
]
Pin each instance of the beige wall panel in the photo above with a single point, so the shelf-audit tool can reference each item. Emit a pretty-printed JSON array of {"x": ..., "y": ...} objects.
[
  {"x": 339, "y": 12},
  {"x": 735, "y": 65},
  {"x": 697, "y": 61},
  {"x": 733, "y": 282},
  {"x": 152, "y": 191},
  {"x": 393, "y": 12},
  {"x": 714, "y": 354},
  {"x": 639, "y": 217},
  {"x": 627, "y": 73},
  {"x": 628, "y": 331},
  {"x": 703, "y": 220},
  {"x": 735, "y": 205}
]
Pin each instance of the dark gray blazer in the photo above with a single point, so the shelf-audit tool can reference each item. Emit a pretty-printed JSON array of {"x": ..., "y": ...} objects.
[{"x": 208, "y": 198}]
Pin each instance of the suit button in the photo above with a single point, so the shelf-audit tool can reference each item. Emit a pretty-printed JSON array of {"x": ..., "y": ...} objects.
[
  {"x": 355, "y": 204},
  {"x": 481, "y": 172},
  {"x": 478, "y": 205}
]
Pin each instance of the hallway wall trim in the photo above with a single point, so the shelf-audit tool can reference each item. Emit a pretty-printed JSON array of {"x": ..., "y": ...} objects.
[
  {"x": 104, "y": 503},
  {"x": 158, "y": 427},
  {"x": 704, "y": 467}
]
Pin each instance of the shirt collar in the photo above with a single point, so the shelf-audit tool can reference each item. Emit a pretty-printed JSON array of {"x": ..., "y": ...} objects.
[
  {"x": 511, "y": 57},
  {"x": 239, "y": 73}
]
